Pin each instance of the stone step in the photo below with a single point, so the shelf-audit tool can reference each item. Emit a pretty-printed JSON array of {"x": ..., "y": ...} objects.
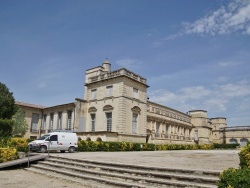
[
  {"x": 207, "y": 173},
  {"x": 125, "y": 177},
  {"x": 116, "y": 179},
  {"x": 58, "y": 172},
  {"x": 138, "y": 172},
  {"x": 86, "y": 183}
]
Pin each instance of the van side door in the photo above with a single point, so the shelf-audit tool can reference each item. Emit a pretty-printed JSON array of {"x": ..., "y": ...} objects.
[{"x": 53, "y": 142}]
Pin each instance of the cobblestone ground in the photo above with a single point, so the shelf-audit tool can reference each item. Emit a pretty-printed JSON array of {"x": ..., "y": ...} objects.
[{"x": 198, "y": 159}]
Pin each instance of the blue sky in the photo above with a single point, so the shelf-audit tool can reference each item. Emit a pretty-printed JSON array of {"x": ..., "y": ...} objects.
[{"x": 195, "y": 54}]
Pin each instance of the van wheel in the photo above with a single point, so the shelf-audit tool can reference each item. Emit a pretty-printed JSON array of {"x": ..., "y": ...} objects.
[
  {"x": 43, "y": 149},
  {"x": 71, "y": 149},
  {"x": 62, "y": 151}
]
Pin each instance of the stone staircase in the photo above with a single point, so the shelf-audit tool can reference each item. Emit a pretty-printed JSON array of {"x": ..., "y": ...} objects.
[{"x": 107, "y": 174}]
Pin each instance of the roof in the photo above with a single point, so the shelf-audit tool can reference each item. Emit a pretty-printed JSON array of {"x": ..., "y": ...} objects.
[{"x": 29, "y": 105}]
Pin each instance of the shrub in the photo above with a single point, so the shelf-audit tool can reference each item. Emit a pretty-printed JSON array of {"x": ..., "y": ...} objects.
[
  {"x": 7, "y": 154},
  {"x": 206, "y": 146},
  {"x": 235, "y": 178},
  {"x": 4, "y": 142},
  {"x": 20, "y": 144},
  {"x": 245, "y": 156}
]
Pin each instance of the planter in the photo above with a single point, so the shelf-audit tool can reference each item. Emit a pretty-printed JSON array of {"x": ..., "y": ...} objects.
[{"x": 21, "y": 155}]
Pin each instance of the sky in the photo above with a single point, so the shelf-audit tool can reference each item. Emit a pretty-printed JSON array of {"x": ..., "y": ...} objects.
[{"x": 194, "y": 54}]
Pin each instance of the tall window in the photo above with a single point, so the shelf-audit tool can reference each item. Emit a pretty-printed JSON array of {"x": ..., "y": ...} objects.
[
  {"x": 196, "y": 136},
  {"x": 134, "y": 123},
  {"x": 59, "y": 122},
  {"x": 157, "y": 133},
  {"x": 109, "y": 91},
  {"x": 69, "y": 121},
  {"x": 135, "y": 93},
  {"x": 109, "y": 121},
  {"x": 93, "y": 94},
  {"x": 51, "y": 121},
  {"x": 166, "y": 131},
  {"x": 44, "y": 122},
  {"x": 92, "y": 122},
  {"x": 34, "y": 122}
]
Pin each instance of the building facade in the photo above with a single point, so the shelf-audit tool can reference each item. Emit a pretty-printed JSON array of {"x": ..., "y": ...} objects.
[{"x": 115, "y": 107}]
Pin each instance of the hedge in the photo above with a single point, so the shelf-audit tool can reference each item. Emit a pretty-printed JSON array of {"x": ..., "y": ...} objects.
[
  {"x": 113, "y": 146},
  {"x": 225, "y": 146},
  {"x": 129, "y": 146}
]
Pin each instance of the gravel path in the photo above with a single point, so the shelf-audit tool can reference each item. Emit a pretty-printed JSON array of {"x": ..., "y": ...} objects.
[{"x": 197, "y": 159}]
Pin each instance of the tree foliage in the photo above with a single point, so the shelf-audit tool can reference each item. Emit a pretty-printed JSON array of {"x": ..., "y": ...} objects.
[
  {"x": 7, "y": 103},
  {"x": 6, "y": 126},
  {"x": 20, "y": 126}
]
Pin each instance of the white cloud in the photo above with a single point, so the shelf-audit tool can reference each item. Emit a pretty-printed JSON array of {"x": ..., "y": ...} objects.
[
  {"x": 215, "y": 98},
  {"x": 229, "y": 63},
  {"x": 227, "y": 19},
  {"x": 239, "y": 89},
  {"x": 128, "y": 63}
]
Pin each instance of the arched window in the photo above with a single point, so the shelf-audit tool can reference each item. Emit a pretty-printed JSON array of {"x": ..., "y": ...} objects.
[
  {"x": 233, "y": 141},
  {"x": 243, "y": 141},
  {"x": 136, "y": 111}
]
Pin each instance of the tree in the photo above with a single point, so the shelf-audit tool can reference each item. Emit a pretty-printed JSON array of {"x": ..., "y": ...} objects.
[
  {"x": 7, "y": 103},
  {"x": 20, "y": 126}
]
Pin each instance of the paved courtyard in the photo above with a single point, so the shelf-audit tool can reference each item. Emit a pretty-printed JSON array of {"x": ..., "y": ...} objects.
[
  {"x": 192, "y": 159},
  {"x": 187, "y": 159}
]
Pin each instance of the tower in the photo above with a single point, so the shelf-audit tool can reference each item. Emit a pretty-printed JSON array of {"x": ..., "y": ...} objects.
[{"x": 116, "y": 103}]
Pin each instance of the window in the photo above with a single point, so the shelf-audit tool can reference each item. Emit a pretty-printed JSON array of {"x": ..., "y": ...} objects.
[
  {"x": 134, "y": 123},
  {"x": 54, "y": 138},
  {"x": 44, "y": 122},
  {"x": 109, "y": 121},
  {"x": 135, "y": 93},
  {"x": 69, "y": 122},
  {"x": 196, "y": 136},
  {"x": 166, "y": 131},
  {"x": 109, "y": 91},
  {"x": 59, "y": 122},
  {"x": 93, "y": 93},
  {"x": 157, "y": 134},
  {"x": 51, "y": 121},
  {"x": 34, "y": 123},
  {"x": 92, "y": 122}
]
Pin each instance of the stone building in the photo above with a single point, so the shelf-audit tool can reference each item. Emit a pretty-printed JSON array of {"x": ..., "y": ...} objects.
[{"x": 115, "y": 107}]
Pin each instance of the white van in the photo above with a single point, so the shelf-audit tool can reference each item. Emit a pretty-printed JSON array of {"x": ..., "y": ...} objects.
[{"x": 62, "y": 141}]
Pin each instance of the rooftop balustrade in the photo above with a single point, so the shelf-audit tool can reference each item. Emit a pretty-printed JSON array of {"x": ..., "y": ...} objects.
[{"x": 120, "y": 72}]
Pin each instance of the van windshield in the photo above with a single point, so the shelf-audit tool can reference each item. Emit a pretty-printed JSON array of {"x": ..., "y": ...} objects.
[{"x": 43, "y": 137}]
